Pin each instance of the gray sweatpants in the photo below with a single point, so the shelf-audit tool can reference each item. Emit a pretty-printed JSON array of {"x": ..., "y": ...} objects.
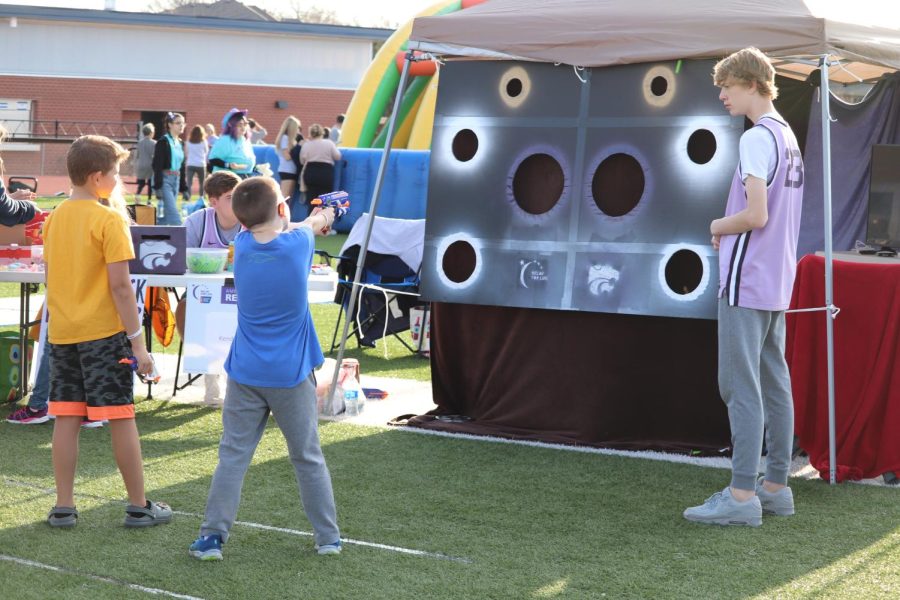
[
  {"x": 756, "y": 386},
  {"x": 244, "y": 417}
]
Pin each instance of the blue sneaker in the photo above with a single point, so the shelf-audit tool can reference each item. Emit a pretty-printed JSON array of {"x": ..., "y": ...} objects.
[
  {"x": 722, "y": 509},
  {"x": 325, "y": 549},
  {"x": 207, "y": 547}
]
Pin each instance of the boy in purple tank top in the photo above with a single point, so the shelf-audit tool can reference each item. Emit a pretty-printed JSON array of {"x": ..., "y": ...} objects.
[
  {"x": 757, "y": 244},
  {"x": 213, "y": 227}
]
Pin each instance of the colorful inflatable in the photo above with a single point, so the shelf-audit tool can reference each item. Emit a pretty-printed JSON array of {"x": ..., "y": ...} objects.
[{"x": 366, "y": 121}]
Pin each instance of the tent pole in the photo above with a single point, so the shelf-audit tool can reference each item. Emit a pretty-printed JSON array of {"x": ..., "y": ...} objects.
[
  {"x": 825, "y": 93},
  {"x": 373, "y": 206}
]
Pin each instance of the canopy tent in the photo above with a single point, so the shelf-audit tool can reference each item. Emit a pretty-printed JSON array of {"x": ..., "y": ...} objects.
[
  {"x": 801, "y": 35},
  {"x": 598, "y": 33}
]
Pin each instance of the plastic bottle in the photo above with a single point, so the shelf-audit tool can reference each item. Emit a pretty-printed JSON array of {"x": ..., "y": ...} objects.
[{"x": 354, "y": 399}]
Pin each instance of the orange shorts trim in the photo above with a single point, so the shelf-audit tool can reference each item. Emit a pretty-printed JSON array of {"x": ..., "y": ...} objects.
[
  {"x": 68, "y": 409},
  {"x": 98, "y": 413}
]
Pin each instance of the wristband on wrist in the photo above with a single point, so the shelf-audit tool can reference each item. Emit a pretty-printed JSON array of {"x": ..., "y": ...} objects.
[{"x": 134, "y": 335}]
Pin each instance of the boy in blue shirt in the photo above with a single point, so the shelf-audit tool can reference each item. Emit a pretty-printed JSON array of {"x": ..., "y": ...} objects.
[{"x": 270, "y": 365}]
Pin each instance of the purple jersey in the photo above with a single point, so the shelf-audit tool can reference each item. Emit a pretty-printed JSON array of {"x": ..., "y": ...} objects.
[
  {"x": 210, "y": 237},
  {"x": 757, "y": 267}
]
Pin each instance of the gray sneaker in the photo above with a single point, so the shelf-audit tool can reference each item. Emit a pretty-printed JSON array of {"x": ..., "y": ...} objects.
[
  {"x": 154, "y": 513},
  {"x": 779, "y": 503},
  {"x": 722, "y": 509}
]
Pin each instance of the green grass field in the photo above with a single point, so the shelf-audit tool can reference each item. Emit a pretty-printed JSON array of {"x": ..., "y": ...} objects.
[
  {"x": 499, "y": 521},
  {"x": 488, "y": 520}
]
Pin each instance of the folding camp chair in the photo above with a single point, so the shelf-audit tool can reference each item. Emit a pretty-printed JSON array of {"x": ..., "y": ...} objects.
[{"x": 389, "y": 281}]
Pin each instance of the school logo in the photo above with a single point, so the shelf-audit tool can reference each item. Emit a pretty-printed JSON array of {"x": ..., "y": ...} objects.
[
  {"x": 602, "y": 279},
  {"x": 156, "y": 253}
]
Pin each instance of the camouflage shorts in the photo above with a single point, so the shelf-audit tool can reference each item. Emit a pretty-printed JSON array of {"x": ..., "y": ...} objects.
[{"x": 87, "y": 379}]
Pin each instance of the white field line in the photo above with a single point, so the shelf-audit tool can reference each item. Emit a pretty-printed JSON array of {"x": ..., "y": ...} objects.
[
  {"x": 800, "y": 467},
  {"x": 377, "y": 545},
  {"x": 119, "y": 582}
]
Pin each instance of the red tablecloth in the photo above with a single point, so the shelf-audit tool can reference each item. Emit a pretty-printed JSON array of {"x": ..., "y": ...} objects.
[{"x": 867, "y": 366}]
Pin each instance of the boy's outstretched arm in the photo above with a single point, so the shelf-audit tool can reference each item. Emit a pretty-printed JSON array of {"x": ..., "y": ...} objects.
[
  {"x": 319, "y": 220},
  {"x": 123, "y": 297},
  {"x": 755, "y": 216}
]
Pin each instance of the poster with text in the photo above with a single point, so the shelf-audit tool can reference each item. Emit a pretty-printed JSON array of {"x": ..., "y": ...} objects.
[{"x": 210, "y": 324}]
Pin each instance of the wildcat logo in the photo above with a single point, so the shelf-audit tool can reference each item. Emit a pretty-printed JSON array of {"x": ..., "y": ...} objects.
[
  {"x": 156, "y": 253},
  {"x": 602, "y": 279}
]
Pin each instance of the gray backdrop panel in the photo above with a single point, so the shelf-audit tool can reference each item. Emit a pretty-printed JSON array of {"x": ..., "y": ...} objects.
[{"x": 574, "y": 256}]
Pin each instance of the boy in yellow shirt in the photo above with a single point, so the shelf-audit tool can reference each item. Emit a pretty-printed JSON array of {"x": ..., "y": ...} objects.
[{"x": 94, "y": 325}]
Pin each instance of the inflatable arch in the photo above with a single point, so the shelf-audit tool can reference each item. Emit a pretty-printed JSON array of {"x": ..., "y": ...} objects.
[{"x": 365, "y": 119}]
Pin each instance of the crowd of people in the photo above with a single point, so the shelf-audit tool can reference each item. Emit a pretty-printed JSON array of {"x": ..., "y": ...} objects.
[{"x": 169, "y": 166}]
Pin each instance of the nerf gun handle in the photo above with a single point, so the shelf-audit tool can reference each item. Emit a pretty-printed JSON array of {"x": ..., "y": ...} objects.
[{"x": 152, "y": 377}]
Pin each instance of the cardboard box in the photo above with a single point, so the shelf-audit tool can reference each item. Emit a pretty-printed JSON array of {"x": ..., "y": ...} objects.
[
  {"x": 142, "y": 214},
  {"x": 158, "y": 249}
]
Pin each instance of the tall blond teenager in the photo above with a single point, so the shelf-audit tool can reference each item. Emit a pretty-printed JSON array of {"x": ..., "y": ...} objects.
[{"x": 757, "y": 244}]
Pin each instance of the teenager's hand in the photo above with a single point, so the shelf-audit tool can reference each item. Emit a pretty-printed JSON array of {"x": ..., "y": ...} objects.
[
  {"x": 23, "y": 195},
  {"x": 715, "y": 242}
]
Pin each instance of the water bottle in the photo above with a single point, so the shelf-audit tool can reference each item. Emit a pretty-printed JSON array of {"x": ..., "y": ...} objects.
[
  {"x": 354, "y": 400},
  {"x": 351, "y": 402}
]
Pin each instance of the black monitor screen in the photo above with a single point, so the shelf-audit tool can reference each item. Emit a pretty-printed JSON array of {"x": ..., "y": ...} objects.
[{"x": 883, "y": 227}]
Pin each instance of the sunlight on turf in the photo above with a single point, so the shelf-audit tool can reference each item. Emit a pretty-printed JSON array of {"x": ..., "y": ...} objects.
[
  {"x": 554, "y": 589},
  {"x": 871, "y": 568}
]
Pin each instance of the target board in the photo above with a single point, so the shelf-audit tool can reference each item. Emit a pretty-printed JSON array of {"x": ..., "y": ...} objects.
[{"x": 546, "y": 191}]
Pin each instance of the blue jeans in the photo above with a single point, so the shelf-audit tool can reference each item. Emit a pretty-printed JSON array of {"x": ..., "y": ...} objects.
[
  {"x": 169, "y": 196},
  {"x": 41, "y": 392}
]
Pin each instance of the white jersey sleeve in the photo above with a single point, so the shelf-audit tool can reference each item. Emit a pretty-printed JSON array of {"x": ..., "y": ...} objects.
[{"x": 758, "y": 154}]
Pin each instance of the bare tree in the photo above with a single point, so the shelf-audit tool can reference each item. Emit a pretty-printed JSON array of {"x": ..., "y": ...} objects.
[{"x": 297, "y": 9}]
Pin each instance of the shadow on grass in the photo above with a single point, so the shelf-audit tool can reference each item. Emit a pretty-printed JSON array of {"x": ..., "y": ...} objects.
[{"x": 531, "y": 521}]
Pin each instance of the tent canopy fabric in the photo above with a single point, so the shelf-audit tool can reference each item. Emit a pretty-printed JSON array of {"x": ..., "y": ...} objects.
[{"x": 597, "y": 33}]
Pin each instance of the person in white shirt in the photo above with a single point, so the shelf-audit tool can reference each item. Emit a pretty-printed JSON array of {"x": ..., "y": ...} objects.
[
  {"x": 196, "y": 150},
  {"x": 335, "y": 131},
  {"x": 286, "y": 140}
]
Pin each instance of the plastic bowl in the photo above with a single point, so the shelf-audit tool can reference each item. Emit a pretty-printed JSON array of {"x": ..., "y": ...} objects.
[{"x": 206, "y": 260}]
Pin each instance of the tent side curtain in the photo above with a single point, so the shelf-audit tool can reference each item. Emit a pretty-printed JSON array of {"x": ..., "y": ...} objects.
[{"x": 596, "y": 33}]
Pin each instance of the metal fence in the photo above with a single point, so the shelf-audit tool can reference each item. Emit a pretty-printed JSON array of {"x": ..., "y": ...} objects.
[{"x": 38, "y": 131}]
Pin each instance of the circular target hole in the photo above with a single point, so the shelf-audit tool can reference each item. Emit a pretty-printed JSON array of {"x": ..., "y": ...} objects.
[
  {"x": 458, "y": 263},
  {"x": 684, "y": 271},
  {"x": 465, "y": 145},
  {"x": 513, "y": 87},
  {"x": 701, "y": 146},
  {"x": 618, "y": 184},
  {"x": 538, "y": 183},
  {"x": 659, "y": 86}
]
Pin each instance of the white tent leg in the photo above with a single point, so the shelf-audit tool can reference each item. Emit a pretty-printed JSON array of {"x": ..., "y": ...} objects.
[
  {"x": 829, "y": 278},
  {"x": 373, "y": 207}
]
